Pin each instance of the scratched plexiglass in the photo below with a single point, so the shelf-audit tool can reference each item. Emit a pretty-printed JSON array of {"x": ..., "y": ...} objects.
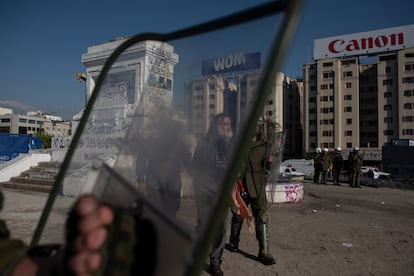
[{"x": 137, "y": 141}]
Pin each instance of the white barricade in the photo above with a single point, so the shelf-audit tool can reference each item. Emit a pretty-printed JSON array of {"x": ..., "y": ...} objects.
[{"x": 291, "y": 192}]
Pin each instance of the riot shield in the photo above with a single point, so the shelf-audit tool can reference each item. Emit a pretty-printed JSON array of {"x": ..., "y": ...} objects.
[{"x": 149, "y": 139}]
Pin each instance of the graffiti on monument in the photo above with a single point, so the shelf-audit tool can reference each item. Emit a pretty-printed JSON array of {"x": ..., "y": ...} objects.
[
  {"x": 117, "y": 90},
  {"x": 158, "y": 91}
]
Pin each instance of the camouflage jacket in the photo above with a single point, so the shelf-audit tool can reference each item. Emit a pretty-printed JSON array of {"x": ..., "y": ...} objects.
[{"x": 10, "y": 249}]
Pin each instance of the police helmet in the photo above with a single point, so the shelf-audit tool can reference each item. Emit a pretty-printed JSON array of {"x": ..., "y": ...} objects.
[
  {"x": 325, "y": 150},
  {"x": 338, "y": 149},
  {"x": 318, "y": 150},
  {"x": 356, "y": 149}
]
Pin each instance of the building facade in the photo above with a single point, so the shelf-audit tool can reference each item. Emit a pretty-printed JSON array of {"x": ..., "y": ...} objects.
[
  {"x": 209, "y": 96},
  {"x": 359, "y": 92},
  {"x": 25, "y": 124}
]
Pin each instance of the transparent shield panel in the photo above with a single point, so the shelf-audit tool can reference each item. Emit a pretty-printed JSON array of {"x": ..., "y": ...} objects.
[{"x": 168, "y": 123}]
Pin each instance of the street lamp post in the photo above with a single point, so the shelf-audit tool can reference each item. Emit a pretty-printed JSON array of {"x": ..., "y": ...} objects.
[{"x": 81, "y": 77}]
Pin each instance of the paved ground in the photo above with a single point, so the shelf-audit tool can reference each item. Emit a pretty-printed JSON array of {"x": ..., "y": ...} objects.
[{"x": 333, "y": 231}]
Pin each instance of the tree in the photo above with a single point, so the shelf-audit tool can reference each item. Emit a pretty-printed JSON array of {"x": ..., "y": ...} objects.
[{"x": 46, "y": 139}]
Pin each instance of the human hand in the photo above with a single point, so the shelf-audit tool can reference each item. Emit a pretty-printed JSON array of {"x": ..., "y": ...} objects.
[{"x": 92, "y": 221}]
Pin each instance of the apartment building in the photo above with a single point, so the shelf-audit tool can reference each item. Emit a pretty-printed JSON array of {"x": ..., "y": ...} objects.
[
  {"x": 360, "y": 91},
  {"x": 31, "y": 124},
  {"x": 208, "y": 96}
]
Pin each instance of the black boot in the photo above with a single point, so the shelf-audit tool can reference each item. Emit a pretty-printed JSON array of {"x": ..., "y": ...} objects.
[
  {"x": 236, "y": 224},
  {"x": 266, "y": 258},
  {"x": 262, "y": 235},
  {"x": 215, "y": 270}
]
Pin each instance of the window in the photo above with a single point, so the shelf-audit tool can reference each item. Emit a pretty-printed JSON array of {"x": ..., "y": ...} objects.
[
  {"x": 349, "y": 145},
  {"x": 388, "y": 69},
  {"x": 5, "y": 120},
  {"x": 347, "y": 97},
  {"x": 388, "y": 132},
  {"x": 312, "y": 88},
  {"x": 211, "y": 97},
  {"x": 211, "y": 106},
  {"x": 349, "y": 61},
  {"x": 408, "y": 131},
  {"x": 327, "y": 133},
  {"x": 407, "y": 118},
  {"x": 388, "y": 107},
  {"x": 408, "y": 93},
  {"x": 387, "y": 94},
  {"x": 312, "y": 99},
  {"x": 348, "y": 133},
  {"x": 312, "y": 122},
  {"x": 408, "y": 106},
  {"x": 270, "y": 102},
  {"x": 32, "y": 121},
  {"x": 409, "y": 66},
  {"x": 324, "y": 86},
  {"x": 323, "y": 98},
  {"x": 348, "y": 109},
  {"x": 349, "y": 121},
  {"x": 327, "y": 64},
  {"x": 328, "y": 75},
  {"x": 347, "y": 74},
  {"x": 387, "y": 82},
  {"x": 388, "y": 120},
  {"x": 408, "y": 80},
  {"x": 348, "y": 85},
  {"x": 21, "y": 120},
  {"x": 326, "y": 109}
]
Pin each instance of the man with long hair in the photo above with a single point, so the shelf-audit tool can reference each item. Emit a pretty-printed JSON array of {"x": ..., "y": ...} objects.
[{"x": 209, "y": 163}]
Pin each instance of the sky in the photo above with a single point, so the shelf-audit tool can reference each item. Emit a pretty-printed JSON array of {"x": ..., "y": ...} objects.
[{"x": 43, "y": 41}]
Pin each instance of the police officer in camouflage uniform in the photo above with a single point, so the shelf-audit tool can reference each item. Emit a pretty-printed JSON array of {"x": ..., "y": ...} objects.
[
  {"x": 254, "y": 182},
  {"x": 317, "y": 165},
  {"x": 337, "y": 166},
  {"x": 325, "y": 162},
  {"x": 10, "y": 249},
  {"x": 355, "y": 162}
]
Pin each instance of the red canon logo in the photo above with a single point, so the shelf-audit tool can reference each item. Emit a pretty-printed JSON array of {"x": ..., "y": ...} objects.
[{"x": 338, "y": 45}]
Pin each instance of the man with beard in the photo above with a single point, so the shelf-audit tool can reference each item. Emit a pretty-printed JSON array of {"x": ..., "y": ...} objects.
[{"x": 209, "y": 163}]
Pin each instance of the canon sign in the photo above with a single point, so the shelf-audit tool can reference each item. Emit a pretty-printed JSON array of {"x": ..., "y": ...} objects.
[{"x": 365, "y": 43}]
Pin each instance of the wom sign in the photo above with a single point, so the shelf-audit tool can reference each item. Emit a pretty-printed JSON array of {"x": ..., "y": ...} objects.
[
  {"x": 365, "y": 43},
  {"x": 231, "y": 63}
]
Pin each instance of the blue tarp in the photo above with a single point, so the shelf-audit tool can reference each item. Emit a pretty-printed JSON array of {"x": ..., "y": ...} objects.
[{"x": 11, "y": 145}]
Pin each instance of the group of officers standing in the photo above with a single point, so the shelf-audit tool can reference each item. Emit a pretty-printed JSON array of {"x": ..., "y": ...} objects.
[{"x": 326, "y": 164}]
